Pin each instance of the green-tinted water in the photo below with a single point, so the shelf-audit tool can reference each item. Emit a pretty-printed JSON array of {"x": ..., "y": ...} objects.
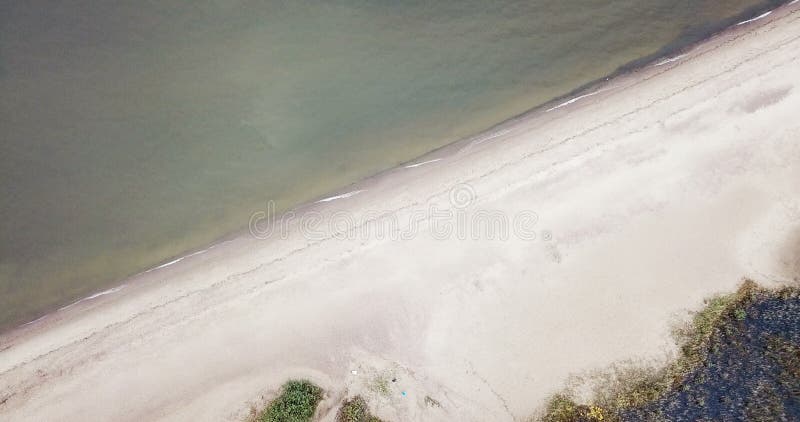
[{"x": 134, "y": 130}]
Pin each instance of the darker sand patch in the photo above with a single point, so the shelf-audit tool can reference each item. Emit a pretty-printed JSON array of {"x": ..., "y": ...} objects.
[{"x": 765, "y": 99}]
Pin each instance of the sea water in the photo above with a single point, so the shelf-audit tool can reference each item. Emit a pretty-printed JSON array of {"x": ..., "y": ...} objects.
[{"x": 132, "y": 131}]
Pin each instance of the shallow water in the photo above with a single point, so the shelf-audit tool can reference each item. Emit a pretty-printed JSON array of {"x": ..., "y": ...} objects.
[{"x": 133, "y": 131}]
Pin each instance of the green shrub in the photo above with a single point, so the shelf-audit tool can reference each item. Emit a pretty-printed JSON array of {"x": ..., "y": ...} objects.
[
  {"x": 296, "y": 403},
  {"x": 355, "y": 410}
]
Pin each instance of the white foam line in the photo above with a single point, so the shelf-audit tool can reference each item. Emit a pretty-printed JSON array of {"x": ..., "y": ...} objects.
[
  {"x": 197, "y": 253},
  {"x": 35, "y": 320},
  {"x": 342, "y": 196},
  {"x": 501, "y": 133},
  {"x": 176, "y": 260},
  {"x": 216, "y": 244},
  {"x": 94, "y": 296},
  {"x": 411, "y": 166},
  {"x": 756, "y": 18},
  {"x": 674, "y": 59},
  {"x": 795, "y": 1},
  {"x": 574, "y": 100}
]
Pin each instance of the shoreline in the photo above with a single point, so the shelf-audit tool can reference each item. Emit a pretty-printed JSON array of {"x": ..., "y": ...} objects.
[
  {"x": 200, "y": 290},
  {"x": 668, "y": 54}
]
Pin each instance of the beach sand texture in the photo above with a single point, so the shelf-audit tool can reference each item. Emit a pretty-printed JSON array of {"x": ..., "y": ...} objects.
[{"x": 669, "y": 185}]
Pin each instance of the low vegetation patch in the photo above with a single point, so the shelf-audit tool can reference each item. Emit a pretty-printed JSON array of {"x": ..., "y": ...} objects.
[
  {"x": 562, "y": 408},
  {"x": 432, "y": 402},
  {"x": 297, "y": 403},
  {"x": 739, "y": 360},
  {"x": 355, "y": 410},
  {"x": 380, "y": 385}
]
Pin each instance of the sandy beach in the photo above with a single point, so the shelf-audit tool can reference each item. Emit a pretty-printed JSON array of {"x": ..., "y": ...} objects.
[{"x": 624, "y": 207}]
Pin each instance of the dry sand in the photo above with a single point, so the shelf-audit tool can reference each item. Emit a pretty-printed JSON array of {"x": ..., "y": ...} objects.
[{"x": 668, "y": 186}]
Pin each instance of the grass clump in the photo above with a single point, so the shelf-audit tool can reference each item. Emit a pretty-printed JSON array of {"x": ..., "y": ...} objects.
[
  {"x": 718, "y": 315},
  {"x": 432, "y": 402},
  {"x": 355, "y": 410},
  {"x": 296, "y": 403},
  {"x": 380, "y": 385},
  {"x": 562, "y": 408}
]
